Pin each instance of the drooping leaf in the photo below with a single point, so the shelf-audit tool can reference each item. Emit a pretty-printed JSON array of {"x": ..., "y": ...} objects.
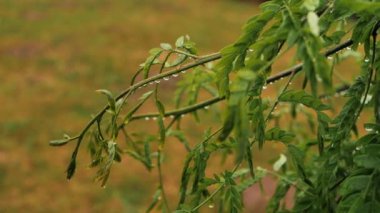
[
  {"x": 279, "y": 163},
  {"x": 278, "y": 134},
  {"x": 298, "y": 157},
  {"x": 281, "y": 190},
  {"x": 155, "y": 200},
  {"x": 59, "y": 142},
  {"x": 302, "y": 97},
  {"x": 111, "y": 100}
]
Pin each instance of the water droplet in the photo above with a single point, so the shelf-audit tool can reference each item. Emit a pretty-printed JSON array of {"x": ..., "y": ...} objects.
[
  {"x": 175, "y": 75},
  {"x": 166, "y": 78},
  {"x": 157, "y": 81},
  {"x": 366, "y": 60},
  {"x": 265, "y": 87},
  {"x": 147, "y": 118},
  {"x": 211, "y": 205}
]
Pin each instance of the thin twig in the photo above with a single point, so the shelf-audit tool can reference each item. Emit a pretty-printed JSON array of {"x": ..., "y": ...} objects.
[{"x": 279, "y": 76}]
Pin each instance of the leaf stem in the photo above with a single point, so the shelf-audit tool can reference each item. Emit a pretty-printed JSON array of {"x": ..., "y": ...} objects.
[
  {"x": 161, "y": 182},
  {"x": 208, "y": 198}
]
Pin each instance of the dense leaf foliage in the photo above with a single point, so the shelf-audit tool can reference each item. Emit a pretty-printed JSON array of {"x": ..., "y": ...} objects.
[{"x": 332, "y": 166}]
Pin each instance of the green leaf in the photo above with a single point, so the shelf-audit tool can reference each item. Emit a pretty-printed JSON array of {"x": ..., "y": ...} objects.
[
  {"x": 260, "y": 173},
  {"x": 367, "y": 139},
  {"x": 365, "y": 8},
  {"x": 161, "y": 108},
  {"x": 229, "y": 123},
  {"x": 277, "y": 134},
  {"x": 181, "y": 137},
  {"x": 323, "y": 129},
  {"x": 369, "y": 156},
  {"x": 59, "y": 142},
  {"x": 301, "y": 97},
  {"x": 180, "y": 42},
  {"x": 155, "y": 51},
  {"x": 279, "y": 163},
  {"x": 166, "y": 46},
  {"x": 298, "y": 157},
  {"x": 71, "y": 168},
  {"x": 152, "y": 59},
  {"x": 246, "y": 74},
  {"x": 367, "y": 161},
  {"x": 311, "y": 5},
  {"x": 162, "y": 130},
  {"x": 111, "y": 100},
  {"x": 377, "y": 99},
  {"x": 156, "y": 199},
  {"x": 354, "y": 184},
  {"x": 250, "y": 160},
  {"x": 371, "y": 127},
  {"x": 145, "y": 160},
  {"x": 185, "y": 177},
  {"x": 281, "y": 190},
  {"x": 313, "y": 20}
]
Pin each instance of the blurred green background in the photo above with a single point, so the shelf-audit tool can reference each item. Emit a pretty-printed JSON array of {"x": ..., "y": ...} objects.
[{"x": 53, "y": 56}]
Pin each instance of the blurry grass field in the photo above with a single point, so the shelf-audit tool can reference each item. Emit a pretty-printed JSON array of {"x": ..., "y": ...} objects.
[{"x": 53, "y": 56}]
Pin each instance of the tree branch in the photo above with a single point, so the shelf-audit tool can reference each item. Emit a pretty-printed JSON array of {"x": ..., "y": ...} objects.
[{"x": 283, "y": 74}]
